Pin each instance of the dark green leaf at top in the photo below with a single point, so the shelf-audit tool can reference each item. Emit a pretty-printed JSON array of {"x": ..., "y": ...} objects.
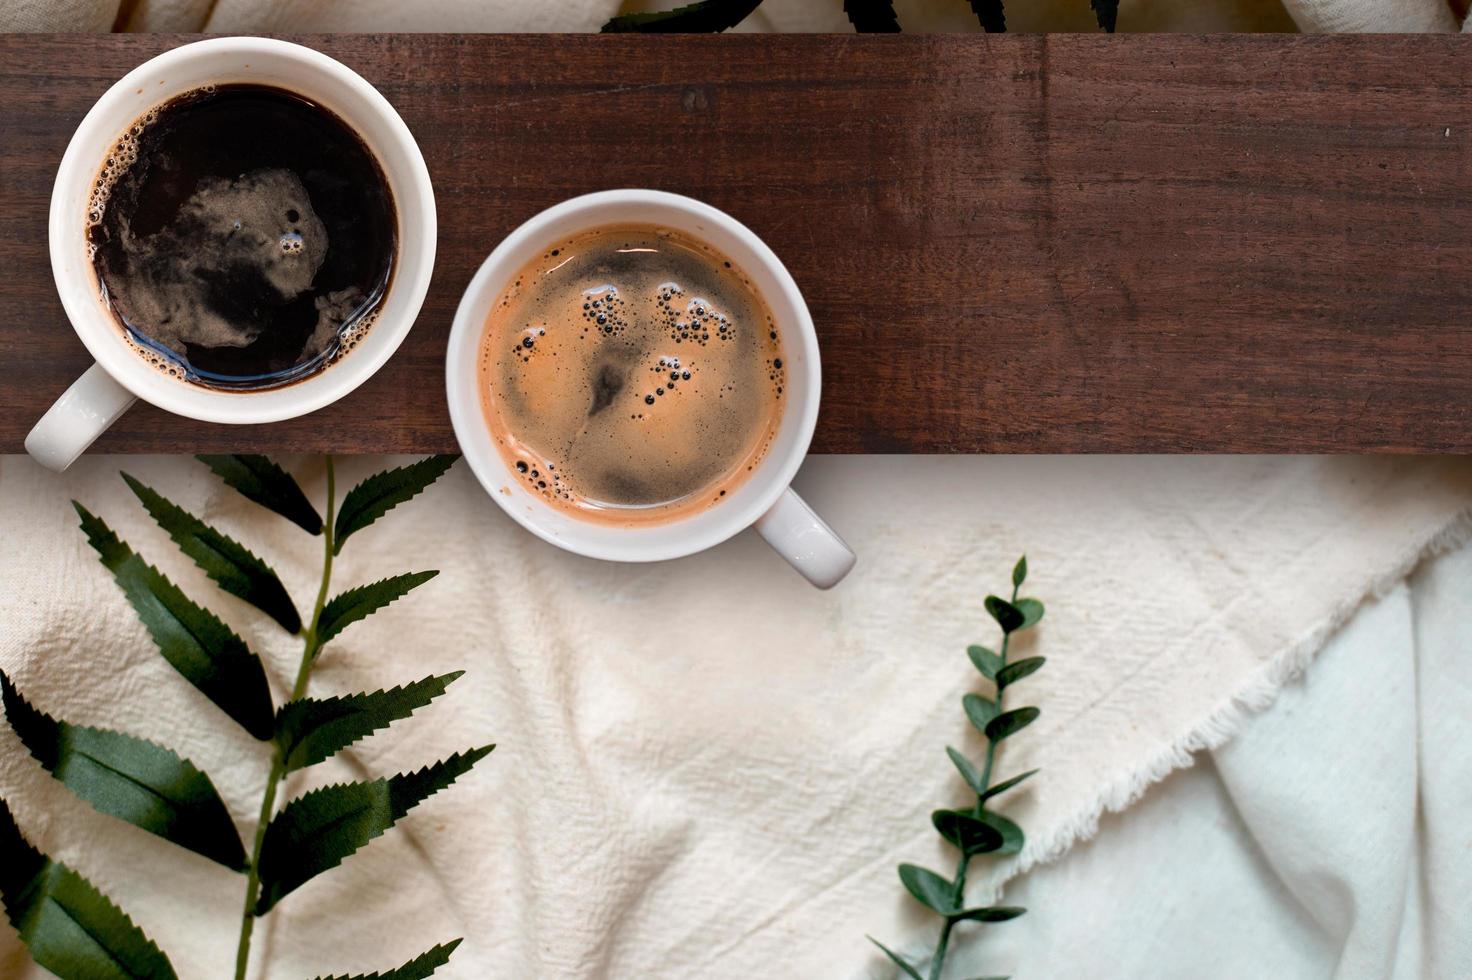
[
  {"x": 703, "y": 17},
  {"x": 1008, "y": 616},
  {"x": 897, "y": 959},
  {"x": 1010, "y": 722},
  {"x": 872, "y": 16},
  {"x": 1019, "y": 572},
  {"x": 929, "y": 888},
  {"x": 1107, "y": 12},
  {"x": 131, "y": 779},
  {"x": 193, "y": 640},
  {"x": 992, "y": 913},
  {"x": 979, "y": 710},
  {"x": 1032, "y": 611},
  {"x": 355, "y": 604},
  {"x": 1016, "y": 671},
  {"x": 311, "y": 730},
  {"x": 317, "y": 831},
  {"x": 233, "y": 567},
  {"x": 1012, "y": 836},
  {"x": 382, "y": 492},
  {"x": 418, "y": 968},
  {"x": 258, "y": 479},
  {"x": 990, "y": 13},
  {"x": 70, "y": 927},
  {"x": 985, "y": 660},
  {"x": 966, "y": 832}
]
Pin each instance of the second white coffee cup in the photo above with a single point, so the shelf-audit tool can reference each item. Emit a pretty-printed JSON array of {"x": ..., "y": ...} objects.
[{"x": 764, "y": 500}]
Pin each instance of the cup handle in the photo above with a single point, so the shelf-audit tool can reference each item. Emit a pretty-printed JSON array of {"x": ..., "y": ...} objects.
[
  {"x": 800, "y": 536},
  {"x": 80, "y": 415}
]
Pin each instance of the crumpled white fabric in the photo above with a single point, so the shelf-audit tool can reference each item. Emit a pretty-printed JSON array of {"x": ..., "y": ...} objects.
[
  {"x": 705, "y": 767},
  {"x": 1326, "y": 841},
  {"x": 773, "y": 15}
]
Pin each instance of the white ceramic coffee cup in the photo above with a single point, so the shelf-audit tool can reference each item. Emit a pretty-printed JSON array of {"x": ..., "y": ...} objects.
[
  {"x": 764, "y": 500},
  {"x": 121, "y": 375}
]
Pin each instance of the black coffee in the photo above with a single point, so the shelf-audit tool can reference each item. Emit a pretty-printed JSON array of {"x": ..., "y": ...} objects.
[{"x": 243, "y": 236}]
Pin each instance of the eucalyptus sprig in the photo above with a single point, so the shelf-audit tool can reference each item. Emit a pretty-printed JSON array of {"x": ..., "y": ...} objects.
[
  {"x": 976, "y": 829},
  {"x": 72, "y": 928},
  {"x": 867, "y": 16}
]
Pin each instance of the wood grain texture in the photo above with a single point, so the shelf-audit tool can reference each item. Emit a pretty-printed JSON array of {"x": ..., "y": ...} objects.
[{"x": 1036, "y": 243}]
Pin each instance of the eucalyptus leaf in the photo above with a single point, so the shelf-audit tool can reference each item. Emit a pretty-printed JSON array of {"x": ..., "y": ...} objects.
[
  {"x": 232, "y": 566},
  {"x": 897, "y": 959},
  {"x": 317, "y": 831},
  {"x": 382, "y": 492},
  {"x": 1107, "y": 12},
  {"x": 872, "y": 16},
  {"x": 979, "y": 710},
  {"x": 1012, "y": 836},
  {"x": 1032, "y": 612},
  {"x": 355, "y": 604},
  {"x": 1010, "y": 723},
  {"x": 313, "y": 729},
  {"x": 1007, "y": 784},
  {"x": 418, "y": 968},
  {"x": 258, "y": 479},
  {"x": 1019, "y": 572},
  {"x": 967, "y": 770},
  {"x": 970, "y": 834},
  {"x": 985, "y": 659},
  {"x": 703, "y": 17},
  {"x": 131, "y": 779},
  {"x": 1017, "y": 670},
  {"x": 991, "y": 913},
  {"x": 929, "y": 888},
  {"x": 70, "y": 927},
  {"x": 1008, "y": 616},
  {"x": 200, "y": 647}
]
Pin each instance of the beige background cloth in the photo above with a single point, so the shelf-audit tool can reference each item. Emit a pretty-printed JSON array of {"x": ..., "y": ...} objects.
[
  {"x": 774, "y": 15},
  {"x": 705, "y": 767}
]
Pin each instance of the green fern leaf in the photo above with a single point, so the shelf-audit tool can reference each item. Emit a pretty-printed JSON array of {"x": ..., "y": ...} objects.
[
  {"x": 382, "y": 492},
  {"x": 200, "y": 647},
  {"x": 317, "y": 831},
  {"x": 702, "y": 17},
  {"x": 232, "y": 566},
  {"x": 355, "y": 604},
  {"x": 993, "y": 18},
  {"x": 134, "y": 780},
  {"x": 418, "y": 968},
  {"x": 70, "y": 927},
  {"x": 257, "y": 478},
  {"x": 872, "y": 16},
  {"x": 312, "y": 729}
]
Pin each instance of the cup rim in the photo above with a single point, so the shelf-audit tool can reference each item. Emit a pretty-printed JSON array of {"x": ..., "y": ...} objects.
[
  {"x": 492, "y": 471},
  {"x": 99, "y": 332}
]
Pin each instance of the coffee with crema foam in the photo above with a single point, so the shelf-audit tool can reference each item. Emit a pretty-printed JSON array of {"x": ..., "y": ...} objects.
[
  {"x": 243, "y": 236},
  {"x": 631, "y": 375}
]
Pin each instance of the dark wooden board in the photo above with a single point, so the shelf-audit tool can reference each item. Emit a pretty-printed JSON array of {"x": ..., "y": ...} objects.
[{"x": 1059, "y": 243}]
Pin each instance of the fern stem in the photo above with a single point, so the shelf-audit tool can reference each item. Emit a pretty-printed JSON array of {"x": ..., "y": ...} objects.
[
  {"x": 310, "y": 649},
  {"x": 958, "y": 881}
]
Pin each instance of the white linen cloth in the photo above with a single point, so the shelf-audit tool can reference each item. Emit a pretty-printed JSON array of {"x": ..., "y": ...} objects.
[
  {"x": 254, "y": 16},
  {"x": 706, "y": 768},
  {"x": 1327, "y": 841}
]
